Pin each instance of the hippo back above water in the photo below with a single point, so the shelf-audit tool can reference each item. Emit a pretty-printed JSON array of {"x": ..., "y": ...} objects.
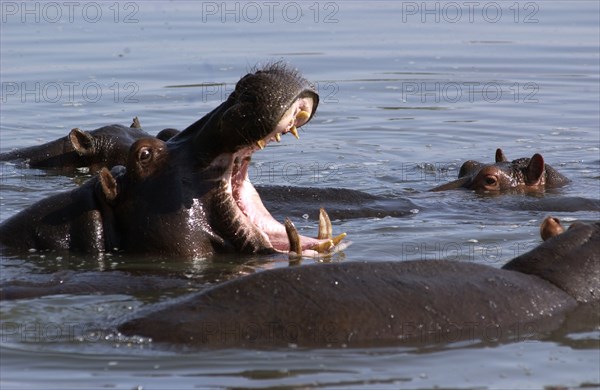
[
  {"x": 388, "y": 303},
  {"x": 503, "y": 175}
]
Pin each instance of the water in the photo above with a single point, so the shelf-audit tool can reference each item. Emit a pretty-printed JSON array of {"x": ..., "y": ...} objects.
[{"x": 408, "y": 91}]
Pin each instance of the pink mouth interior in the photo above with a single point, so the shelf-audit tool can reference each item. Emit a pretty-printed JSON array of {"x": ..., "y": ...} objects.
[{"x": 245, "y": 195}]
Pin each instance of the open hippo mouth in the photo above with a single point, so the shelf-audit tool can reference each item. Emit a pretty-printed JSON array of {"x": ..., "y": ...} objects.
[
  {"x": 264, "y": 107},
  {"x": 245, "y": 209}
]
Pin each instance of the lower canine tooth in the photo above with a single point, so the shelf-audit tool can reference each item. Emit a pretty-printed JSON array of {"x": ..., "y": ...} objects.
[
  {"x": 278, "y": 137},
  {"x": 294, "y": 131},
  {"x": 261, "y": 144},
  {"x": 293, "y": 237},
  {"x": 325, "y": 229}
]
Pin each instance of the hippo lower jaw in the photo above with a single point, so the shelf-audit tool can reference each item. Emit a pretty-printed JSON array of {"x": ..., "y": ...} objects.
[{"x": 251, "y": 228}]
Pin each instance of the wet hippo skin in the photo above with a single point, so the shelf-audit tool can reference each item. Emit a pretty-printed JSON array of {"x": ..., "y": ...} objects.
[
  {"x": 382, "y": 303},
  {"x": 354, "y": 304}
]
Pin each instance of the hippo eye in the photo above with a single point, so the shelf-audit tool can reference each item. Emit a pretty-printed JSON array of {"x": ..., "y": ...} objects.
[
  {"x": 491, "y": 181},
  {"x": 145, "y": 155}
]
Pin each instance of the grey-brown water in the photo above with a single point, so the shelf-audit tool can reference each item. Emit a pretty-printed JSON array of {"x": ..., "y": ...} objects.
[{"x": 409, "y": 90}]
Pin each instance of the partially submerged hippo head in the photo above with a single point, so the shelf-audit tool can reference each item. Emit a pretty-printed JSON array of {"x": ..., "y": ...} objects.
[
  {"x": 106, "y": 146},
  {"x": 523, "y": 173},
  {"x": 191, "y": 196}
]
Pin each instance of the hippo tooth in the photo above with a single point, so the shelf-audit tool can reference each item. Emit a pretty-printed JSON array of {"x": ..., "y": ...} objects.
[
  {"x": 324, "y": 246},
  {"x": 337, "y": 239},
  {"x": 278, "y": 137},
  {"x": 294, "y": 131},
  {"x": 324, "y": 225},
  {"x": 293, "y": 237},
  {"x": 261, "y": 144},
  {"x": 303, "y": 115}
]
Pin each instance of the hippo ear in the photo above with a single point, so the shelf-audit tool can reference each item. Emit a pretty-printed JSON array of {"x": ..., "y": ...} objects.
[
  {"x": 167, "y": 134},
  {"x": 82, "y": 141},
  {"x": 108, "y": 184},
  {"x": 500, "y": 157},
  {"x": 136, "y": 123},
  {"x": 469, "y": 168},
  {"x": 535, "y": 169}
]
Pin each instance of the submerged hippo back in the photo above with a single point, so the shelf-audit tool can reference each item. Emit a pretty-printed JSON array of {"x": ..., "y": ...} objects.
[
  {"x": 357, "y": 304},
  {"x": 570, "y": 261}
]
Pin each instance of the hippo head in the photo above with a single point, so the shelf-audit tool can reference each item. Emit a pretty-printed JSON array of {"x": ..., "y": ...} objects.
[
  {"x": 105, "y": 146},
  {"x": 191, "y": 195},
  {"x": 520, "y": 174}
]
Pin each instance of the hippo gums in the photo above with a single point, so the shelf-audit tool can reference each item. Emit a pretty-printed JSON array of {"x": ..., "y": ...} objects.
[
  {"x": 106, "y": 146},
  {"x": 523, "y": 173},
  {"x": 191, "y": 196},
  {"x": 381, "y": 303}
]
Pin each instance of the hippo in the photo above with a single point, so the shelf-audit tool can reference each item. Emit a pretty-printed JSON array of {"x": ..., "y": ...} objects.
[
  {"x": 522, "y": 174},
  {"x": 190, "y": 197},
  {"x": 80, "y": 219},
  {"x": 357, "y": 304},
  {"x": 106, "y": 146}
]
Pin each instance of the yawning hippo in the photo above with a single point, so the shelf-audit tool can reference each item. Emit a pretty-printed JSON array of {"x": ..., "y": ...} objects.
[
  {"x": 383, "y": 303},
  {"x": 191, "y": 196},
  {"x": 522, "y": 173}
]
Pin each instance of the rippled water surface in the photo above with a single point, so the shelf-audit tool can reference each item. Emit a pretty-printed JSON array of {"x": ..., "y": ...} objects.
[{"x": 409, "y": 90}]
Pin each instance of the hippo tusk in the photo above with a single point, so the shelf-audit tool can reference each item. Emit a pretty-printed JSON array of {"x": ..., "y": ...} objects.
[
  {"x": 293, "y": 237},
  {"x": 325, "y": 229},
  {"x": 325, "y": 246}
]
